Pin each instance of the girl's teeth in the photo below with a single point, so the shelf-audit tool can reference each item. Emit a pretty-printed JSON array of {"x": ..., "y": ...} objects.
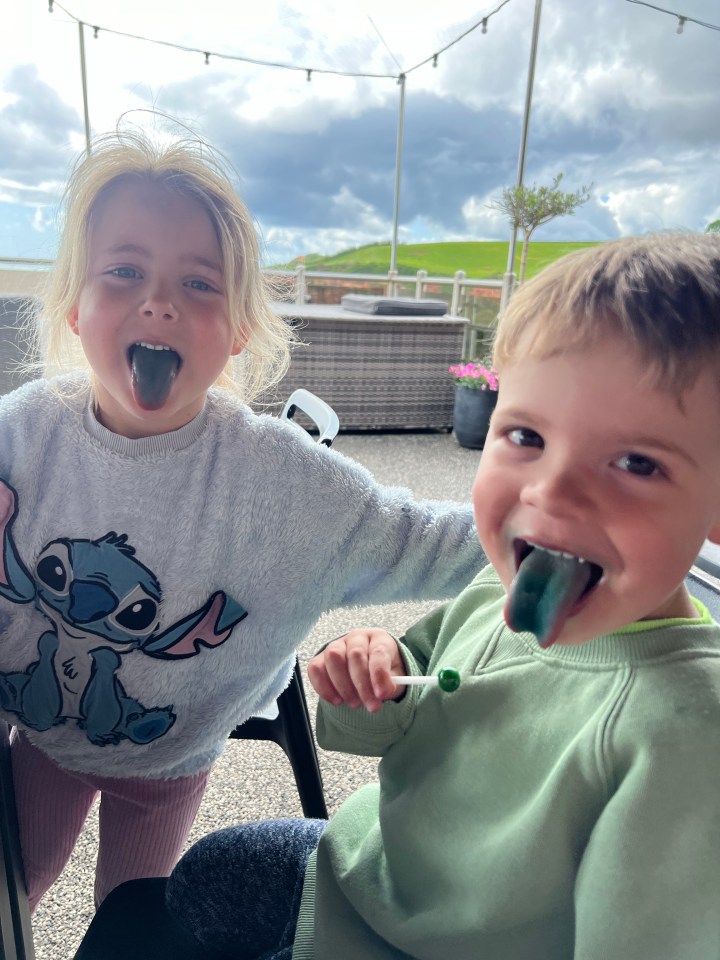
[{"x": 152, "y": 346}]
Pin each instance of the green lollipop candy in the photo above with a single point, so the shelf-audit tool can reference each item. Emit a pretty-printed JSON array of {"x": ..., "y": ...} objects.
[{"x": 449, "y": 680}]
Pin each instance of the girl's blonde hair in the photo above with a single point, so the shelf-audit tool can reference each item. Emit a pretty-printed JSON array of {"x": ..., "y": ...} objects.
[
  {"x": 192, "y": 168},
  {"x": 660, "y": 292}
]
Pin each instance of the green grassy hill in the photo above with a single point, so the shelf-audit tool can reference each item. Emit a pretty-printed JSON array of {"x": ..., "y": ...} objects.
[{"x": 480, "y": 260}]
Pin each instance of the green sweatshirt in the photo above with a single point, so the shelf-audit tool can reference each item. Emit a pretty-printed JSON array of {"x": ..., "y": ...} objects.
[{"x": 563, "y": 803}]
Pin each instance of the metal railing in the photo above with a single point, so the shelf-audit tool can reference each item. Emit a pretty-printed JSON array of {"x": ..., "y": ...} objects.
[
  {"x": 394, "y": 283},
  {"x": 476, "y": 300}
]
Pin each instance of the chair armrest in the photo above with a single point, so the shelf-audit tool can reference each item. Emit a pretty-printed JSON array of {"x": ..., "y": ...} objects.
[{"x": 321, "y": 414}]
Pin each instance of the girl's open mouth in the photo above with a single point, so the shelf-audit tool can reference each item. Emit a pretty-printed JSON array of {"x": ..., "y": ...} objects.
[{"x": 153, "y": 370}]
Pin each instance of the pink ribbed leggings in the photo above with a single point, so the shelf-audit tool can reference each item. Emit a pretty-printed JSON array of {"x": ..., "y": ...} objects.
[{"x": 143, "y": 823}]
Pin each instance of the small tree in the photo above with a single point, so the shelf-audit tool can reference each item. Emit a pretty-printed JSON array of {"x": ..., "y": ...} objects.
[
  {"x": 713, "y": 227},
  {"x": 528, "y": 208}
]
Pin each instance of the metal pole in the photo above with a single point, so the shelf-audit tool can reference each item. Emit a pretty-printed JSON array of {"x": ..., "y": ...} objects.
[
  {"x": 83, "y": 74},
  {"x": 509, "y": 278},
  {"x": 398, "y": 168}
]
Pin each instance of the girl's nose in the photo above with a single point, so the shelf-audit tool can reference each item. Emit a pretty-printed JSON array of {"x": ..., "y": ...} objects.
[{"x": 159, "y": 306}]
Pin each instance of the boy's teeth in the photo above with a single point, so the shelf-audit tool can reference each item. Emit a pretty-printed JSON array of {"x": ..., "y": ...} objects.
[{"x": 559, "y": 553}]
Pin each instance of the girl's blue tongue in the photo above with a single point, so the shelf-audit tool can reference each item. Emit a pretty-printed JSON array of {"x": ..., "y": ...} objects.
[
  {"x": 544, "y": 591},
  {"x": 153, "y": 373}
]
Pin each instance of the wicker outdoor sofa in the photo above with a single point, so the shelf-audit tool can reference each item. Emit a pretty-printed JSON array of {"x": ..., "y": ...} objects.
[{"x": 378, "y": 372}]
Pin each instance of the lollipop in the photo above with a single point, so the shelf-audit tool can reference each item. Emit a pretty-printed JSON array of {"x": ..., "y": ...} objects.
[{"x": 448, "y": 680}]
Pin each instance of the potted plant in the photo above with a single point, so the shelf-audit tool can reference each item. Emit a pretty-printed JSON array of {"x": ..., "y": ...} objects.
[{"x": 476, "y": 390}]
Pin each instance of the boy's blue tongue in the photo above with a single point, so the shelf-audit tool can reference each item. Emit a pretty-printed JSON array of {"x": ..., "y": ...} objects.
[
  {"x": 153, "y": 373},
  {"x": 545, "y": 589}
]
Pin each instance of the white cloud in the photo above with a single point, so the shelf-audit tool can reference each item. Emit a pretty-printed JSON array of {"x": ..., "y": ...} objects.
[
  {"x": 620, "y": 100},
  {"x": 655, "y": 206},
  {"x": 350, "y": 207},
  {"x": 483, "y": 222},
  {"x": 41, "y": 221}
]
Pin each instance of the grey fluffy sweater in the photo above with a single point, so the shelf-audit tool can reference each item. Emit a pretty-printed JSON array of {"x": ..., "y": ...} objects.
[{"x": 154, "y": 591}]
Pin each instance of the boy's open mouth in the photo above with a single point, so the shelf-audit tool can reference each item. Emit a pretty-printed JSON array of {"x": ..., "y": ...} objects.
[
  {"x": 153, "y": 370},
  {"x": 549, "y": 587}
]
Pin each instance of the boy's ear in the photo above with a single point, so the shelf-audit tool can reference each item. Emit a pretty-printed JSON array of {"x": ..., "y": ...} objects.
[{"x": 73, "y": 320}]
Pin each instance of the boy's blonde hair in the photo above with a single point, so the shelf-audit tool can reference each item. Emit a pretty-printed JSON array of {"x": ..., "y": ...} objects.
[
  {"x": 660, "y": 292},
  {"x": 192, "y": 168}
]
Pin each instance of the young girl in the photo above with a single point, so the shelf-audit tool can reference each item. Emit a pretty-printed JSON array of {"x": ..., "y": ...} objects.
[{"x": 165, "y": 550}]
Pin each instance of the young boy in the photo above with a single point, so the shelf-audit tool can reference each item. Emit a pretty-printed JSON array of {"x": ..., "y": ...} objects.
[{"x": 565, "y": 801}]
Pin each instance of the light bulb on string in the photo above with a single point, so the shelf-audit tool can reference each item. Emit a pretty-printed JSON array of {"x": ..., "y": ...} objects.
[
  {"x": 50, "y": 6},
  {"x": 483, "y": 29},
  {"x": 309, "y": 76},
  {"x": 681, "y": 24},
  {"x": 207, "y": 58},
  {"x": 96, "y": 31},
  {"x": 435, "y": 59}
]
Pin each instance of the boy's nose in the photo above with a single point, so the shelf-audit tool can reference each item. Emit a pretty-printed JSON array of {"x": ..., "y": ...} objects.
[{"x": 559, "y": 490}]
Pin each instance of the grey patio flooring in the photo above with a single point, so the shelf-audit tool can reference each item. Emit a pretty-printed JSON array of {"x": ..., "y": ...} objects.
[{"x": 253, "y": 780}]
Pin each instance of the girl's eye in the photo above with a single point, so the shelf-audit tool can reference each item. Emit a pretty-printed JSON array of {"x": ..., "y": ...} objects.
[
  {"x": 524, "y": 437},
  {"x": 125, "y": 273},
  {"x": 199, "y": 285},
  {"x": 638, "y": 465}
]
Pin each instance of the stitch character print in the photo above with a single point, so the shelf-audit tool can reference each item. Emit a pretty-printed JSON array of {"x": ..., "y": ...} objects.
[{"x": 102, "y": 603}]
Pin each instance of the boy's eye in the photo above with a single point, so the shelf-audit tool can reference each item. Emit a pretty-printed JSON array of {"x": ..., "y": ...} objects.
[
  {"x": 524, "y": 437},
  {"x": 126, "y": 273},
  {"x": 199, "y": 285},
  {"x": 638, "y": 465}
]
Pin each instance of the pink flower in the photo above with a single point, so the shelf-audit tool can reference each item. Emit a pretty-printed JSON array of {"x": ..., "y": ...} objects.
[{"x": 476, "y": 375}]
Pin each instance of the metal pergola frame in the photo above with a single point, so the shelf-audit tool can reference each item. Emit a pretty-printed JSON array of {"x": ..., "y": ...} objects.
[{"x": 509, "y": 277}]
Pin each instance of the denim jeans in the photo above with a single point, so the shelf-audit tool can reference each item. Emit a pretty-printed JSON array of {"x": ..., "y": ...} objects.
[{"x": 238, "y": 890}]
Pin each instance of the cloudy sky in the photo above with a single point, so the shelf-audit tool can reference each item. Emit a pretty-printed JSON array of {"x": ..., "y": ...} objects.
[{"x": 621, "y": 100}]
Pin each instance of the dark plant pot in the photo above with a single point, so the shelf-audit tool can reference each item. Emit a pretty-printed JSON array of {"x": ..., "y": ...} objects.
[{"x": 471, "y": 415}]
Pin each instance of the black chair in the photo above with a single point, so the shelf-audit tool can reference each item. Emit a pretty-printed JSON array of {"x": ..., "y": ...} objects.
[
  {"x": 133, "y": 923},
  {"x": 292, "y": 730},
  {"x": 15, "y": 930}
]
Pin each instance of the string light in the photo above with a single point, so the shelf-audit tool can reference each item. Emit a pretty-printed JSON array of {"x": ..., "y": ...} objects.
[
  {"x": 96, "y": 31},
  {"x": 309, "y": 76},
  {"x": 289, "y": 66},
  {"x": 480, "y": 23},
  {"x": 681, "y": 18}
]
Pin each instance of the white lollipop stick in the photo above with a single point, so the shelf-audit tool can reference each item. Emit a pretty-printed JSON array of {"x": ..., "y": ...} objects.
[
  {"x": 448, "y": 680},
  {"x": 415, "y": 681}
]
